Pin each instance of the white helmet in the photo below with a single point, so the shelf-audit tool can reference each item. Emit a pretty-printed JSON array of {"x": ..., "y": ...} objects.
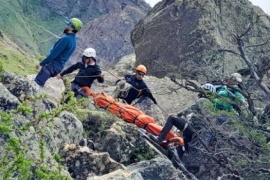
[
  {"x": 209, "y": 87},
  {"x": 90, "y": 52}
]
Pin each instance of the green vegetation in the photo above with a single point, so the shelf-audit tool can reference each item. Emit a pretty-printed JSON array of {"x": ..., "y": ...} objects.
[
  {"x": 13, "y": 59},
  {"x": 22, "y": 21},
  {"x": 143, "y": 152},
  {"x": 5, "y": 122},
  {"x": 24, "y": 108},
  {"x": 13, "y": 159},
  {"x": 15, "y": 62}
]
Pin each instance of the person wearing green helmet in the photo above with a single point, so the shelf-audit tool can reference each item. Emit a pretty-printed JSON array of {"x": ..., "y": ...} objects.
[
  {"x": 60, "y": 53},
  {"x": 75, "y": 23}
]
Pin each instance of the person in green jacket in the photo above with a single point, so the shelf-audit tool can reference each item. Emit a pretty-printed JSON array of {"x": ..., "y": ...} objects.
[{"x": 231, "y": 93}]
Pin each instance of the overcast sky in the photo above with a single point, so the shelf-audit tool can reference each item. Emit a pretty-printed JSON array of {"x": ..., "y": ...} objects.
[{"x": 264, "y": 4}]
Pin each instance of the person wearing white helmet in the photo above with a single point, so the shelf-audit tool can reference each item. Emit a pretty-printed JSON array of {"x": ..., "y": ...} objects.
[
  {"x": 89, "y": 71},
  {"x": 59, "y": 54}
]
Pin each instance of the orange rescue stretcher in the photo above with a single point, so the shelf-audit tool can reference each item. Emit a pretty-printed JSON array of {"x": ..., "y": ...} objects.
[{"x": 133, "y": 115}]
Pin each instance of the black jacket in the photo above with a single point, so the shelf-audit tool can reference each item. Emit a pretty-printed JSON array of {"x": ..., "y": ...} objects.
[
  {"x": 136, "y": 86},
  {"x": 86, "y": 75}
]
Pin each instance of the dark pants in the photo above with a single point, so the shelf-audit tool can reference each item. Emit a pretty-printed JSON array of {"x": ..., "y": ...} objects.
[
  {"x": 77, "y": 92},
  {"x": 45, "y": 73},
  {"x": 179, "y": 123}
]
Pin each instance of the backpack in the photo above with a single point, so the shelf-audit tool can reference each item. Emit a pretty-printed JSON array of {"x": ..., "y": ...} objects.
[
  {"x": 211, "y": 87},
  {"x": 122, "y": 89}
]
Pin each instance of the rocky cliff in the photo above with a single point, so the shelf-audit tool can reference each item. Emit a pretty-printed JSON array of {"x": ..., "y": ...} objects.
[
  {"x": 44, "y": 136},
  {"x": 39, "y": 139},
  {"x": 109, "y": 34},
  {"x": 184, "y": 37}
]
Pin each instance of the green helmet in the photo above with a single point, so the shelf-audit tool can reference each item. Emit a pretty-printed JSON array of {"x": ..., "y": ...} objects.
[{"x": 76, "y": 23}]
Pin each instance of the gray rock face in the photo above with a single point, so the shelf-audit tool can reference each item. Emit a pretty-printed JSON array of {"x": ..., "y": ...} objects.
[
  {"x": 91, "y": 9},
  {"x": 53, "y": 87},
  {"x": 182, "y": 37},
  {"x": 19, "y": 86},
  {"x": 119, "y": 174},
  {"x": 109, "y": 34},
  {"x": 65, "y": 129},
  {"x": 7, "y": 100},
  {"x": 157, "y": 168},
  {"x": 83, "y": 162}
]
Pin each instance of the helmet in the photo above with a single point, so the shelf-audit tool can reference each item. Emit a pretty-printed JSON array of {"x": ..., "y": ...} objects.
[
  {"x": 90, "y": 52},
  {"x": 76, "y": 23},
  {"x": 141, "y": 68},
  {"x": 237, "y": 77},
  {"x": 209, "y": 87}
]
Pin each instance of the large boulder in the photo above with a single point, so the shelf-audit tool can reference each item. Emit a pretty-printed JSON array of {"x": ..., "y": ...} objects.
[
  {"x": 19, "y": 86},
  {"x": 83, "y": 162},
  {"x": 119, "y": 174},
  {"x": 7, "y": 100},
  {"x": 157, "y": 168},
  {"x": 183, "y": 37},
  {"x": 109, "y": 31}
]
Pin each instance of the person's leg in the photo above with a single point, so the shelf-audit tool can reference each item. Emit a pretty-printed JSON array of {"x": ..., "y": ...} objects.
[
  {"x": 184, "y": 127},
  {"x": 45, "y": 73},
  {"x": 165, "y": 130},
  {"x": 179, "y": 122},
  {"x": 188, "y": 134},
  {"x": 85, "y": 91},
  {"x": 42, "y": 76},
  {"x": 171, "y": 121},
  {"x": 75, "y": 88}
]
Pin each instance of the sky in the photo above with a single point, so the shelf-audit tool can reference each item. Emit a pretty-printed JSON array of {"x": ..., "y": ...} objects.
[{"x": 264, "y": 4}]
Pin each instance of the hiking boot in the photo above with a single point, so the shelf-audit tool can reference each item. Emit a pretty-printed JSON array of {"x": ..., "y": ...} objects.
[
  {"x": 189, "y": 133},
  {"x": 181, "y": 151}
]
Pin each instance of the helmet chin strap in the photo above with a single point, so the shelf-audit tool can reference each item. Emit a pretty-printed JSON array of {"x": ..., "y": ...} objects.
[{"x": 92, "y": 64}]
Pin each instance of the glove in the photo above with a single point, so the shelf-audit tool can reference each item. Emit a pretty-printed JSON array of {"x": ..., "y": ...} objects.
[
  {"x": 154, "y": 100},
  {"x": 147, "y": 92}
]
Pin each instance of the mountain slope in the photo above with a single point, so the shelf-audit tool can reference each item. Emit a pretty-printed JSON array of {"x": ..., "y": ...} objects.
[
  {"x": 35, "y": 25},
  {"x": 14, "y": 59}
]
